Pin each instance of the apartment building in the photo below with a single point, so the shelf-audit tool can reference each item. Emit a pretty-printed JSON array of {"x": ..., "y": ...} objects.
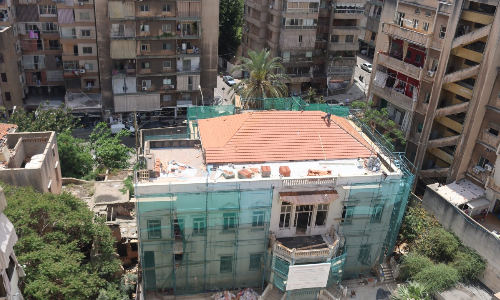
[
  {"x": 436, "y": 72},
  {"x": 157, "y": 55},
  {"x": 370, "y": 24},
  {"x": 252, "y": 202},
  {"x": 49, "y": 49},
  {"x": 317, "y": 40}
]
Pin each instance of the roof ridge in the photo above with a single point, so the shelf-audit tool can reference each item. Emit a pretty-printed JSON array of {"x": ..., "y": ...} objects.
[{"x": 363, "y": 144}]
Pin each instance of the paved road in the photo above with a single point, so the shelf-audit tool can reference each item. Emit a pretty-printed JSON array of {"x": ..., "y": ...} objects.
[
  {"x": 224, "y": 93},
  {"x": 358, "y": 71}
]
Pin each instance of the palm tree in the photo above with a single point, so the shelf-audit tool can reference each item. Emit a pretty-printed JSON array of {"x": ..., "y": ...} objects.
[
  {"x": 265, "y": 79},
  {"x": 412, "y": 291}
]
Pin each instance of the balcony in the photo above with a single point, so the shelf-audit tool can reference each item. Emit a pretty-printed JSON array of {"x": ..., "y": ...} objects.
[
  {"x": 346, "y": 30},
  {"x": 372, "y": 23},
  {"x": 399, "y": 65},
  {"x": 375, "y": 2},
  {"x": 405, "y": 33},
  {"x": 357, "y": 13},
  {"x": 345, "y": 71},
  {"x": 444, "y": 8},
  {"x": 354, "y": 46},
  {"x": 461, "y": 74},
  {"x": 127, "y": 72},
  {"x": 298, "y": 27},
  {"x": 321, "y": 247},
  {"x": 476, "y": 17},
  {"x": 443, "y": 142},
  {"x": 344, "y": 61},
  {"x": 489, "y": 139},
  {"x": 448, "y": 158},
  {"x": 395, "y": 97},
  {"x": 300, "y": 78},
  {"x": 470, "y": 37},
  {"x": 192, "y": 68}
]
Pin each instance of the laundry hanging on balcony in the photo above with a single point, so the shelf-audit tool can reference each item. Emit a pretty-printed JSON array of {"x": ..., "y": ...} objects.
[
  {"x": 380, "y": 79},
  {"x": 309, "y": 198}
]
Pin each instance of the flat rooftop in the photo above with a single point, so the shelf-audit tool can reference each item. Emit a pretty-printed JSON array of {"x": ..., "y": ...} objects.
[
  {"x": 460, "y": 192},
  {"x": 83, "y": 101},
  {"x": 303, "y": 241}
]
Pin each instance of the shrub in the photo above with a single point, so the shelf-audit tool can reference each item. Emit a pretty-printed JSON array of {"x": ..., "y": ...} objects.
[
  {"x": 438, "y": 277},
  {"x": 469, "y": 265},
  {"x": 412, "y": 264},
  {"x": 439, "y": 245}
]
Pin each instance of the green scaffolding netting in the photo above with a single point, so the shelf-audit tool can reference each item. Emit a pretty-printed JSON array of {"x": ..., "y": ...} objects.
[
  {"x": 198, "y": 242},
  {"x": 293, "y": 104},
  {"x": 206, "y": 112}
]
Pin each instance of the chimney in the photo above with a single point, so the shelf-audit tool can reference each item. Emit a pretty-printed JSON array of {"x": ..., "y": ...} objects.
[
  {"x": 285, "y": 171},
  {"x": 265, "y": 171}
]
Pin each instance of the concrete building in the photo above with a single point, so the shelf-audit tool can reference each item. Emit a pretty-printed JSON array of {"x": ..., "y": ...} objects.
[
  {"x": 157, "y": 55},
  {"x": 10, "y": 269},
  {"x": 317, "y": 40},
  {"x": 370, "y": 24},
  {"x": 29, "y": 159},
  {"x": 49, "y": 50},
  {"x": 435, "y": 70},
  {"x": 279, "y": 196}
]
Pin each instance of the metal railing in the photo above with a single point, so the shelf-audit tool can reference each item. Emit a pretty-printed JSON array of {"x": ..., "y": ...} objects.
[{"x": 192, "y": 68}]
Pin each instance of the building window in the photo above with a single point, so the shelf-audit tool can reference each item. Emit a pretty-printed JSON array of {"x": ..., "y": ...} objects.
[
  {"x": 87, "y": 50},
  {"x": 417, "y": 11},
  {"x": 347, "y": 214},
  {"x": 482, "y": 161},
  {"x": 335, "y": 38},
  {"x": 89, "y": 83},
  {"x": 418, "y": 58},
  {"x": 84, "y": 16},
  {"x": 4, "y": 77},
  {"x": 167, "y": 64},
  {"x": 364, "y": 254},
  {"x": 145, "y": 65},
  {"x": 428, "y": 13},
  {"x": 47, "y": 9},
  {"x": 166, "y": 27},
  {"x": 427, "y": 97},
  {"x": 89, "y": 66},
  {"x": 494, "y": 129},
  {"x": 349, "y": 38},
  {"x": 198, "y": 223},
  {"x": 420, "y": 127},
  {"x": 408, "y": 54},
  {"x": 167, "y": 81},
  {"x": 166, "y": 7},
  {"x": 144, "y": 8},
  {"x": 258, "y": 219},
  {"x": 146, "y": 83},
  {"x": 154, "y": 229},
  {"x": 86, "y": 32},
  {"x": 300, "y": 38},
  {"x": 7, "y": 96},
  {"x": 229, "y": 221},
  {"x": 425, "y": 26},
  {"x": 286, "y": 212},
  {"x": 226, "y": 264},
  {"x": 442, "y": 32},
  {"x": 377, "y": 213},
  {"x": 167, "y": 98},
  {"x": 321, "y": 215},
  {"x": 255, "y": 262},
  {"x": 415, "y": 23},
  {"x": 145, "y": 47},
  {"x": 167, "y": 46},
  {"x": 145, "y": 28}
]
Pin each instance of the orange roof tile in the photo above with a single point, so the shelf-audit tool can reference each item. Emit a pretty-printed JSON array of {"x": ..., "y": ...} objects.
[
  {"x": 280, "y": 136},
  {"x": 4, "y": 130}
]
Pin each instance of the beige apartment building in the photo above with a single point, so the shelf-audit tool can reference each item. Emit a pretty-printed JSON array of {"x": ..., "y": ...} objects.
[
  {"x": 317, "y": 40},
  {"x": 436, "y": 71},
  {"x": 370, "y": 24},
  {"x": 157, "y": 55}
]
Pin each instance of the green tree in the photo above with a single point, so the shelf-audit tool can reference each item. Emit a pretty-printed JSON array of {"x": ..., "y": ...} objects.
[
  {"x": 265, "y": 79},
  {"x": 416, "y": 222},
  {"x": 311, "y": 95},
  {"x": 67, "y": 255},
  {"x": 412, "y": 291},
  {"x": 412, "y": 264},
  {"x": 230, "y": 22},
  {"x": 74, "y": 154},
  {"x": 469, "y": 265},
  {"x": 108, "y": 149},
  {"x": 44, "y": 119},
  {"x": 438, "y": 277}
]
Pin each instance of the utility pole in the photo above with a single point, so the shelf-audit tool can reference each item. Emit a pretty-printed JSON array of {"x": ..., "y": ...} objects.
[{"x": 136, "y": 129}]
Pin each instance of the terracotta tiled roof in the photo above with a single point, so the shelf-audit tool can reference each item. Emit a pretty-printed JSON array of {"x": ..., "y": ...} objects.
[
  {"x": 4, "y": 130},
  {"x": 280, "y": 136}
]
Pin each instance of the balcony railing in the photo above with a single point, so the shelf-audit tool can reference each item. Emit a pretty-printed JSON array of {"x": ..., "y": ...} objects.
[
  {"x": 394, "y": 63},
  {"x": 346, "y": 30},
  {"x": 69, "y": 36},
  {"x": 192, "y": 68},
  {"x": 291, "y": 27},
  {"x": 302, "y": 10},
  {"x": 354, "y": 46},
  {"x": 405, "y": 33},
  {"x": 127, "y": 72},
  {"x": 395, "y": 96}
]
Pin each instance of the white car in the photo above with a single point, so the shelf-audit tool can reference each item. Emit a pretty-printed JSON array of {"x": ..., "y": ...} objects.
[
  {"x": 367, "y": 67},
  {"x": 229, "y": 80}
]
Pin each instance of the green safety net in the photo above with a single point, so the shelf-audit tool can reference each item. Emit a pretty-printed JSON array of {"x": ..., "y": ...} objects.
[
  {"x": 205, "y": 112},
  {"x": 200, "y": 242},
  {"x": 293, "y": 104}
]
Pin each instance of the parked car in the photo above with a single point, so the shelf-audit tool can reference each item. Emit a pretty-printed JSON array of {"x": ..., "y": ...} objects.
[
  {"x": 367, "y": 67},
  {"x": 229, "y": 80}
]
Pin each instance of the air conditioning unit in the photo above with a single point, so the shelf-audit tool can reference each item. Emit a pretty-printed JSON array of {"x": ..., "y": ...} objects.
[
  {"x": 144, "y": 88},
  {"x": 82, "y": 71},
  {"x": 478, "y": 169},
  {"x": 488, "y": 167},
  {"x": 81, "y": 3},
  {"x": 172, "y": 87},
  {"x": 430, "y": 73}
]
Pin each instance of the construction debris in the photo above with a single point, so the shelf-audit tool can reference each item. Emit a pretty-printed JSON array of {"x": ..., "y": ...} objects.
[{"x": 246, "y": 294}]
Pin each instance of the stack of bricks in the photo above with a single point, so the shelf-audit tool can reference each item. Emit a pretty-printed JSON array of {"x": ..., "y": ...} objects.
[
  {"x": 319, "y": 172},
  {"x": 157, "y": 169},
  {"x": 228, "y": 174},
  {"x": 244, "y": 174},
  {"x": 285, "y": 171},
  {"x": 266, "y": 171}
]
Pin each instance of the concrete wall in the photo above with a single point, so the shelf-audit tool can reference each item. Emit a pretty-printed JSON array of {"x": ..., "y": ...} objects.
[
  {"x": 470, "y": 233},
  {"x": 103, "y": 50},
  {"x": 209, "y": 45},
  {"x": 9, "y": 67}
]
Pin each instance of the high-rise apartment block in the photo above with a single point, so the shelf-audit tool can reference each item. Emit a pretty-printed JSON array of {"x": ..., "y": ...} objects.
[
  {"x": 116, "y": 56},
  {"x": 370, "y": 23},
  {"x": 437, "y": 74},
  {"x": 317, "y": 40}
]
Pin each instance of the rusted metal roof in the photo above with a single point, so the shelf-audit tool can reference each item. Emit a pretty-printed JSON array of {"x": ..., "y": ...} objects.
[{"x": 309, "y": 198}]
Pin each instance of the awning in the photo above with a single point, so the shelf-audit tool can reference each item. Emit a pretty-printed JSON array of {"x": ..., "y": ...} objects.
[
  {"x": 479, "y": 204},
  {"x": 130, "y": 103},
  {"x": 310, "y": 198}
]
